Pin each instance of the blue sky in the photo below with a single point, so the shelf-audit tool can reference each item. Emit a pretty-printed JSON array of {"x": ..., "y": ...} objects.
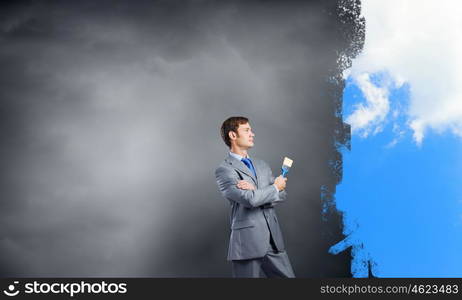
[
  {"x": 400, "y": 192},
  {"x": 402, "y": 200}
]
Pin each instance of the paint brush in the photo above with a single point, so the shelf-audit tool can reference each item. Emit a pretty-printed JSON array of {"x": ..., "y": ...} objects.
[{"x": 286, "y": 165}]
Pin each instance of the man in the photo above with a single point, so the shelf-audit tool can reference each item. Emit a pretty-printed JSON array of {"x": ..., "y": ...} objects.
[{"x": 256, "y": 242}]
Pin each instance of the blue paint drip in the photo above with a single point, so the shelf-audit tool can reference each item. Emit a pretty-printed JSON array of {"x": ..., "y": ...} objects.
[{"x": 362, "y": 265}]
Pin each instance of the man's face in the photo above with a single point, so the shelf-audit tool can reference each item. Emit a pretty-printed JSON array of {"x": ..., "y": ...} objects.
[{"x": 244, "y": 137}]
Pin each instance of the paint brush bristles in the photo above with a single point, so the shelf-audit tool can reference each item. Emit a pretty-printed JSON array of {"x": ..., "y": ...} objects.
[{"x": 287, "y": 162}]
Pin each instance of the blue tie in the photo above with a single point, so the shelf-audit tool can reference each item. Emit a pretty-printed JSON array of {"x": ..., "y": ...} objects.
[{"x": 249, "y": 165}]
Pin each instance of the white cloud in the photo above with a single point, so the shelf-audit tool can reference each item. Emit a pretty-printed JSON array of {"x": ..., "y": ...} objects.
[
  {"x": 418, "y": 42},
  {"x": 368, "y": 118},
  {"x": 399, "y": 134}
]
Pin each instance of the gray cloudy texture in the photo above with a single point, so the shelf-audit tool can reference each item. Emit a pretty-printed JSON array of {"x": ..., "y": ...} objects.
[{"x": 109, "y": 129}]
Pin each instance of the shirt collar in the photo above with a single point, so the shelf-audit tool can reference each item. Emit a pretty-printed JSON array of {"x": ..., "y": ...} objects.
[{"x": 237, "y": 156}]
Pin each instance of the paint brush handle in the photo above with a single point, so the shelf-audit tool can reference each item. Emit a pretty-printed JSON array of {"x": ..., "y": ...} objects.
[{"x": 285, "y": 171}]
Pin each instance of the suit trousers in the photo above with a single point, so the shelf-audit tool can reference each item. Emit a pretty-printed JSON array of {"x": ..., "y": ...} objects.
[{"x": 273, "y": 264}]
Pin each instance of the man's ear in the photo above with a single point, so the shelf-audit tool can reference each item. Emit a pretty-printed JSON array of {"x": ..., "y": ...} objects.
[{"x": 232, "y": 135}]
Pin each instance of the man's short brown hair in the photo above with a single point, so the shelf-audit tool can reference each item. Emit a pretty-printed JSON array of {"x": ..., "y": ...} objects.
[{"x": 231, "y": 124}]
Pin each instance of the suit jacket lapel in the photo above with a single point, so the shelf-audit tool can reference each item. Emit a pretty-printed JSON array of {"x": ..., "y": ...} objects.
[{"x": 242, "y": 167}]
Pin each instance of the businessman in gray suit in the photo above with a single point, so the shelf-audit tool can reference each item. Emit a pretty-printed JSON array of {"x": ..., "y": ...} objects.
[{"x": 256, "y": 244}]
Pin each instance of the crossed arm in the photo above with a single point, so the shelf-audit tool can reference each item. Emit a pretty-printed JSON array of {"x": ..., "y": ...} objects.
[{"x": 243, "y": 192}]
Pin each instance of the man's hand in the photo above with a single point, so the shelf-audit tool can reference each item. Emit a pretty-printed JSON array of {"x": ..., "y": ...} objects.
[
  {"x": 245, "y": 185},
  {"x": 280, "y": 182}
]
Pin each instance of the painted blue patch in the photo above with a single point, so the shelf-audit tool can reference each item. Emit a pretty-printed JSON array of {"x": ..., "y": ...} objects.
[{"x": 402, "y": 203}]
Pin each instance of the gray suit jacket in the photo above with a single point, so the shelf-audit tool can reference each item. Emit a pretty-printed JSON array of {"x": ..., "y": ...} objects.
[{"x": 252, "y": 217}]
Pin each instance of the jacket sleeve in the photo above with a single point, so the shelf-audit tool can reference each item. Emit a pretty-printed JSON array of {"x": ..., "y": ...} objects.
[
  {"x": 282, "y": 195},
  {"x": 227, "y": 179}
]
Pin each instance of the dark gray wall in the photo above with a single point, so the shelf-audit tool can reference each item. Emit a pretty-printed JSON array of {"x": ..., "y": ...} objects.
[{"x": 109, "y": 130}]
